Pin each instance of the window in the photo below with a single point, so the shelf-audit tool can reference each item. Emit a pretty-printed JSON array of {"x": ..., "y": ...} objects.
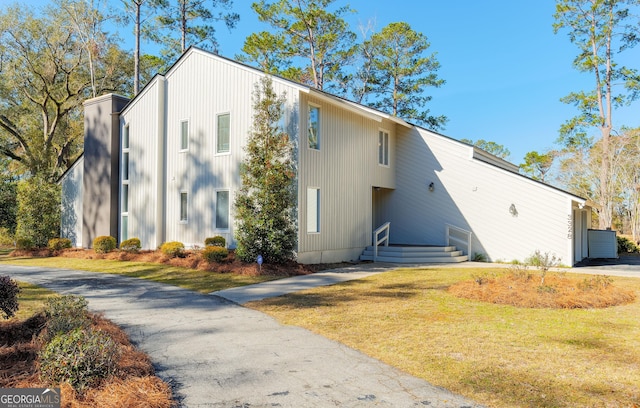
[
  {"x": 125, "y": 198},
  {"x": 222, "y": 209},
  {"x": 125, "y": 166},
  {"x": 125, "y": 137},
  {"x": 313, "y": 210},
  {"x": 222, "y": 145},
  {"x": 383, "y": 148},
  {"x": 184, "y": 135},
  {"x": 314, "y": 127},
  {"x": 124, "y": 228},
  {"x": 183, "y": 207}
]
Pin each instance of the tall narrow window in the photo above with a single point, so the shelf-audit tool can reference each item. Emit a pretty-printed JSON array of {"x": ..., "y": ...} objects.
[
  {"x": 184, "y": 135},
  {"x": 222, "y": 145},
  {"x": 125, "y": 198},
  {"x": 125, "y": 166},
  {"x": 222, "y": 209},
  {"x": 124, "y": 228},
  {"x": 183, "y": 207},
  {"x": 125, "y": 137},
  {"x": 383, "y": 148},
  {"x": 313, "y": 210},
  {"x": 314, "y": 127}
]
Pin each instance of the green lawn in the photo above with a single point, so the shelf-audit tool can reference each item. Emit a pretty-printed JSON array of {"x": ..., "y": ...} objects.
[
  {"x": 501, "y": 356},
  {"x": 200, "y": 281}
]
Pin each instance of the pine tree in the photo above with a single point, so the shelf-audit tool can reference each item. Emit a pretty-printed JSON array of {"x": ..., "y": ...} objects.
[{"x": 265, "y": 204}]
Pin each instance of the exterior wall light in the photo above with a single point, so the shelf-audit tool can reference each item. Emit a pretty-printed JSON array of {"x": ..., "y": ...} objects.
[
  {"x": 513, "y": 210},
  {"x": 432, "y": 186}
]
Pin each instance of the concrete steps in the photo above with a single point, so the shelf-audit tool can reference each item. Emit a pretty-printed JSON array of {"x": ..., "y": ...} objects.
[{"x": 415, "y": 254}]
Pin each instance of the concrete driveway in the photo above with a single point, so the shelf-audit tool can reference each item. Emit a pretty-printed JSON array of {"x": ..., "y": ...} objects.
[{"x": 216, "y": 353}]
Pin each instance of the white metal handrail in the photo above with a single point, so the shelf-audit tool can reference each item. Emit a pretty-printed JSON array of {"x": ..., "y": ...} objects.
[
  {"x": 377, "y": 241},
  {"x": 467, "y": 237}
]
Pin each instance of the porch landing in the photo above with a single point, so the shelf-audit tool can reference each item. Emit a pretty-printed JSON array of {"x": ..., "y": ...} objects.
[{"x": 415, "y": 254}]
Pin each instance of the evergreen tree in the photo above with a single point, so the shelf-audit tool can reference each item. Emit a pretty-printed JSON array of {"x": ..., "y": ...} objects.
[{"x": 265, "y": 204}]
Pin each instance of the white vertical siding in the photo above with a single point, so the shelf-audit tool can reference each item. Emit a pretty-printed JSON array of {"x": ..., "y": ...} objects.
[
  {"x": 199, "y": 88},
  {"x": 142, "y": 118},
  {"x": 345, "y": 169},
  {"x": 71, "y": 221},
  {"x": 475, "y": 196}
]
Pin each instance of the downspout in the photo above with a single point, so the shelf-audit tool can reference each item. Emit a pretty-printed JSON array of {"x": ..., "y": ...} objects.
[{"x": 161, "y": 161}]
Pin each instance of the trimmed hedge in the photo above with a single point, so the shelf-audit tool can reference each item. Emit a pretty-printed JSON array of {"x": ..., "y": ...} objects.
[
  {"x": 82, "y": 358},
  {"x": 24, "y": 244},
  {"x": 213, "y": 254},
  {"x": 216, "y": 241},
  {"x": 104, "y": 244},
  {"x": 58, "y": 244},
  {"x": 130, "y": 245},
  {"x": 174, "y": 249}
]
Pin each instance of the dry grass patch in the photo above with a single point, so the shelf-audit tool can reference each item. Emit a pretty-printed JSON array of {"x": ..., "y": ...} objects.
[
  {"x": 525, "y": 289},
  {"x": 498, "y": 355}
]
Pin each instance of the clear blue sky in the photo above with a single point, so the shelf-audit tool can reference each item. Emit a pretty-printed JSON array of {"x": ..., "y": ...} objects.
[{"x": 505, "y": 69}]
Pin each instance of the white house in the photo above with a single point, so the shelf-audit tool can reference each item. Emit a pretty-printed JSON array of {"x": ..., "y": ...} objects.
[{"x": 165, "y": 167}]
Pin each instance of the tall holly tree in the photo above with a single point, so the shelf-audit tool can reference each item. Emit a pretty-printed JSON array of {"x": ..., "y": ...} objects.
[
  {"x": 265, "y": 204},
  {"x": 600, "y": 29}
]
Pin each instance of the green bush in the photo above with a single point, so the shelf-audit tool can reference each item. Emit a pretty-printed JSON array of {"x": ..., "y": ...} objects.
[
  {"x": 214, "y": 254},
  {"x": 38, "y": 214},
  {"x": 6, "y": 237},
  {"x": 215, "y": 241},
  {"x": 104, "y": 244},
  {"x": 626, "y": 246},
  {"x": 131, "y": 245},
  {"x": 173, "y": 249},
  {"x": 9, "y": 291},
  {"x": 24, "y": 244},
  {"x": 57, "y": 244},
  {"x": 65, "y": 314},
  {"x": 82, "y": 358}
]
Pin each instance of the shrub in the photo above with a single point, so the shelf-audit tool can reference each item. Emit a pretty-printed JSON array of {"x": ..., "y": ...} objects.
[
  {"x": 173, "y": 249},
  {"x": 216, "y": 241},
  {"x": 82, "y": 358},
  {"x": 131, "y": 245},
  {"x": 104, "y": 244},
  {"x": 24, "y": 244},
  {"x": 479, "y": 257},
  {"x": 214, "y": 254},
  {"x": 38, "y": 214},
  {"x": 57, "y": 244},
  {"x": 65, "y": 314},
  {"x": 6, "y": 237},
  {"x": 626, "y": 246},
  {"x": 9, "y": 291},
  {"x": 543, "y": 262}
]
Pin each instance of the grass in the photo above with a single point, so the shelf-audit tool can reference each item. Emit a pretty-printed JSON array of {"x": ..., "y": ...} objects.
[
  {"x": 200, "y": 281},
  {"x": 498, "y": 355},
  {"x": 31, "y": 300}
]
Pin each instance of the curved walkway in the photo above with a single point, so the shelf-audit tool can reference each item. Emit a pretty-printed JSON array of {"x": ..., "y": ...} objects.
[{"x": 216, "y": 353}]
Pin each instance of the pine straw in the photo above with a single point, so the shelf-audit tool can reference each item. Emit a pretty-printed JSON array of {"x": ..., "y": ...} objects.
[
  {"x": 134, "y": 384},
  {"x": 556, "y": 292}
]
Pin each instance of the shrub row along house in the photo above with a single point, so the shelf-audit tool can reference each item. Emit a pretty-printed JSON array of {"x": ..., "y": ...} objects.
[{"x": 165, "y": 166}]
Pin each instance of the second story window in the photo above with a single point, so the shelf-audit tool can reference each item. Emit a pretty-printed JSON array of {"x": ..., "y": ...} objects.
[
  {"x": 223, "y": 133},
  {"x": 314, "y": 127},
  {"x": 383, "y": 148},
  {"x": 184, "y": 135}
]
